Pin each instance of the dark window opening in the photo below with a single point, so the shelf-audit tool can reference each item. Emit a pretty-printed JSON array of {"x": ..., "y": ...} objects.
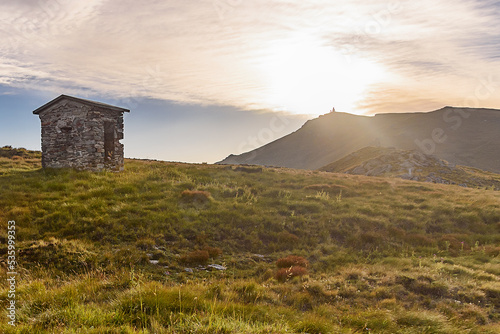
[{"x": 109, "y": 140}]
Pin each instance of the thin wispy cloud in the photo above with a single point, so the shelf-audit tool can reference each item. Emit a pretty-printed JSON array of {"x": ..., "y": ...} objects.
[{"x": 297, "y": 56}]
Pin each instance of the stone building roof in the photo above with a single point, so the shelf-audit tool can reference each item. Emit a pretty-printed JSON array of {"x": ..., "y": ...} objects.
[{"x": 76, "y": 99}]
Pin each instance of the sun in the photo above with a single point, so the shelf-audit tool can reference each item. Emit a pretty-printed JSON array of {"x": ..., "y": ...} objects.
[{"x": 305, "y": 77}]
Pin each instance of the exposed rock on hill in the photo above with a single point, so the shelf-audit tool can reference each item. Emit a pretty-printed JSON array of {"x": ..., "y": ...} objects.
[{"x": 411, "y": 165}]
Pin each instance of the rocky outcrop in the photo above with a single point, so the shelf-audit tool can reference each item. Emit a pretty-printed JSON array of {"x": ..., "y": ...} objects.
[
  {"x": 404, "y": 164},
  {"x": 411, "y": 165}
]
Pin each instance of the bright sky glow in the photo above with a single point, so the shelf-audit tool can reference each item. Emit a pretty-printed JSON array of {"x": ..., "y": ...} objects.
[{"x": 303, "y": 76}]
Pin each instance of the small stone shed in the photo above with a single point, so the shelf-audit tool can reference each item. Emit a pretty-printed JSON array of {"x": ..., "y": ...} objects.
[{"x": 81, "y": 134}]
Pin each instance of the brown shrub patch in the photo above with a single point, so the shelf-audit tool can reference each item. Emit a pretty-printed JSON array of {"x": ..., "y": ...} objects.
[
  {"x": 292, "y": 261},
  {"x": 195, "y": 257},
  {"x": 213, "y": 252},
  {"x": 285, "y": 274}
]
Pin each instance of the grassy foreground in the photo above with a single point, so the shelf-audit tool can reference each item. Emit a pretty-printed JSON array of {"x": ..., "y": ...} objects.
[{"x": 129, "y": 252}]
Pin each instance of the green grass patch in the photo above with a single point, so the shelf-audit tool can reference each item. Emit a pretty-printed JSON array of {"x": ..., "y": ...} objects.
[{"x": 185, "y": 248}]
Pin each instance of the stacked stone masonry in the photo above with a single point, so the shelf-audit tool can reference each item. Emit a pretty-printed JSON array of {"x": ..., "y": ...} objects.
[{"x": 83, "y": 136}]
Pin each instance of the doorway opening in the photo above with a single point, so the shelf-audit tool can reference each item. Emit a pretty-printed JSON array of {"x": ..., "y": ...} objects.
[{"x": 109, "y": 140}]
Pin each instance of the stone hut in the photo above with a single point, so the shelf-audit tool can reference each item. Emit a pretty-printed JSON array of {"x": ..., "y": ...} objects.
[{"x": 81, "y": 134}]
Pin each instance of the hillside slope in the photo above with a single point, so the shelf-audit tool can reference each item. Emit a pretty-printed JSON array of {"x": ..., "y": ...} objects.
[
  {"x": 184, "y": 248},
  {"x": 411, "y": 165},
  {"x": 462, "y": 136}
]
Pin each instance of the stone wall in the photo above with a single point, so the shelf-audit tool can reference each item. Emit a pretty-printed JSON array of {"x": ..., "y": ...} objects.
[{"x": 73, "y": 135}]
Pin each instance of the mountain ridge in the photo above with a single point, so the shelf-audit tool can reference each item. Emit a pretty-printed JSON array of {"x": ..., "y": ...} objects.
[{"x": 464, "y": 136}]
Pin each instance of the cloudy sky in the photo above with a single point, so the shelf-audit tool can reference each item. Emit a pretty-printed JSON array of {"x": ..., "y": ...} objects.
[{"x": 207, "y": 78}]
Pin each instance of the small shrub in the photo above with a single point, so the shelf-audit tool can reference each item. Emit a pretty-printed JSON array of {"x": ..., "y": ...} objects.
[
  {"x": 197, "y": 196},
  {"x": 285, "y": 274},
  {"x": 292, "y": 261},
  {"x": 213, "y": 252},
  {"x": 195, "y": 257}
]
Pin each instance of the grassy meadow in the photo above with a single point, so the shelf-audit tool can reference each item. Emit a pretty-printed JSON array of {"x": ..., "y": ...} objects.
[{"x": 301, "y": 251}]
